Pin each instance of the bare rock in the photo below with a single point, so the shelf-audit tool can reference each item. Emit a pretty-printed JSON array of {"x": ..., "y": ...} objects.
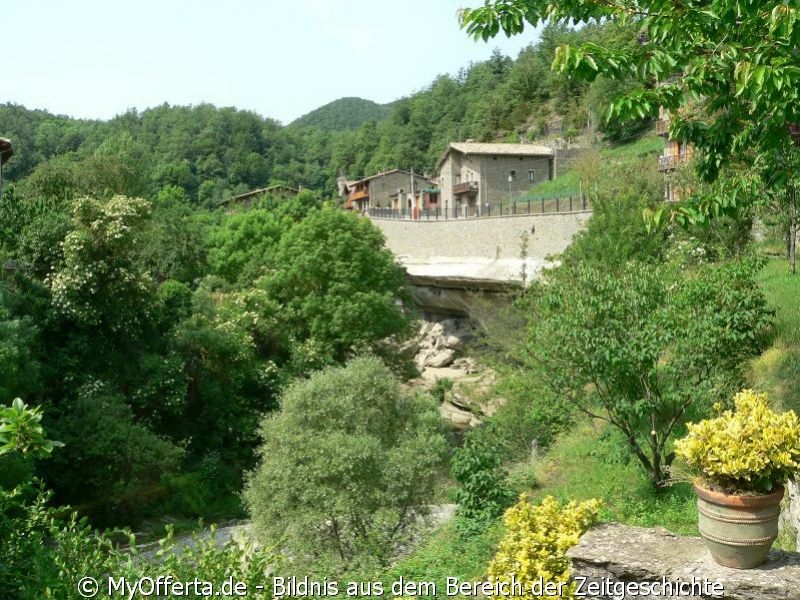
[
  {"x": 791, "y": 513},
  {"x": 612, "y": 553},
  {"x": 440, "y": 359},
  {"x": 451, "y": 341},
  {"x": 457, "y": 417}
]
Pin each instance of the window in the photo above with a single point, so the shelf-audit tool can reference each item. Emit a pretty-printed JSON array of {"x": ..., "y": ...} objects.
[
  {"x": 512, "y": 174},
  {"x": 531, "y": 175}
]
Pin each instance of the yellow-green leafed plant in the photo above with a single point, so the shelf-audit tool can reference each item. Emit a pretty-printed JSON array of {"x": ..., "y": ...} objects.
[
  {"x": 537, "y": 538},
  {"x": 749, "y": 449}
]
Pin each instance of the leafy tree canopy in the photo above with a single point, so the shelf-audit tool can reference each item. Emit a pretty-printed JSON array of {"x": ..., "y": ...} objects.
[
  {"x": 346, "y": 466},
  {"x": 726, "y": 70}
]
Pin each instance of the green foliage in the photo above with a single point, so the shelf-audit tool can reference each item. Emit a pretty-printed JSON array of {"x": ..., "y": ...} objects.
[
  {"x": 46, "y": 555},
  {"x": 728, "y": 78},
  {"x": 243, "y": 246},
  {"x": 20, "y": 371},
  {"x": 483, "y": 495},
  {"x": 100, "y": 284},
  {"x": 346, "y": 467},
  {"x": 750, "y": 450},
  {"x": 343, "y": 114},
  {"x": 531, "y": 417},
  {"x": 537, "y": 538},
  {"x": 641, "y": 346},
  {"x": 336, "y": 283},
  {"x": 441, "y": 387},
  {"x": 447, "y": 553},
  {"x": 226, "y": 345},
  {"x": 21, "y": 431},
  {"x": 615, "y": 235},
  {"x": 108, "y": 459}
]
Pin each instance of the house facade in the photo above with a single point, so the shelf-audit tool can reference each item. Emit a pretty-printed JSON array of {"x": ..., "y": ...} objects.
[
  {"x": 676, "y": 154},
  {"x": 397, "y": 190},
  {"x": 474, "y": 176},
  {"x": 6, "y": 152}
]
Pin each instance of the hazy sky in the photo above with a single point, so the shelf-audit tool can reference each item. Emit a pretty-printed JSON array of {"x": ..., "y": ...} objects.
[{"x": 282, "y": 59}]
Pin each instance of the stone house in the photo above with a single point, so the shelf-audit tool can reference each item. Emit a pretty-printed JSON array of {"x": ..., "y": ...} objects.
[
  {"x": 473, "y": 176},
  {"x": 396, "y": 189},
  {"x": 676, "y": 154}
]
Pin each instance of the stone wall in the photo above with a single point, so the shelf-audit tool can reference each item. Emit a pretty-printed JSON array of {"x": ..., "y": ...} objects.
[
  {"x": 486, "y": 238},
  {"x": 611, "y": 555}
]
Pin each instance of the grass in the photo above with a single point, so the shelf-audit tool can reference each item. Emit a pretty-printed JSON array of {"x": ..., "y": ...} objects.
[
  {"x": 568, "y": 184},
  {"x": 447, "y": 554},
  {"x": 592, "y": 461},
  {"x": 777, "y": 370}
]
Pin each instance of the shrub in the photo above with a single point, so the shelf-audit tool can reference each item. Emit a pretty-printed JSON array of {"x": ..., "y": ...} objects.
[
  {"x": 484, "y": 493},
  {"x": 751, "y": 449},
  {"x": 536, "y": 541},
  {"x": 346, "y": 466},
  {"x": 108, "y": 456}
]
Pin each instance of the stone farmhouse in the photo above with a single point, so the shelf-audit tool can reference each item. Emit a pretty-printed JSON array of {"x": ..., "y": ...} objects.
[
  {"x": 396, "y": 189},
  {"x": 473, "y": 176},
  {"x": 676, "y": 153}
]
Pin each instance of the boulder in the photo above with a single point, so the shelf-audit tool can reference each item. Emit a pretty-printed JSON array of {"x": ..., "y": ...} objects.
[
  {"x": 610, "y": 556},
  {"x": 440, "y": 359}
]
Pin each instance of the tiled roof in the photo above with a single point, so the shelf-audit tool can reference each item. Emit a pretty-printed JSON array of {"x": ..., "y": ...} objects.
[
  {"x": 384, "y": 173},
  {"x": 496, "y": 149}
]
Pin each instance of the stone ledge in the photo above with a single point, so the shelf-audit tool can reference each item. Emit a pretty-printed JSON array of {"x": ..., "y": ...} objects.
[{"x": 620, "y": 553}]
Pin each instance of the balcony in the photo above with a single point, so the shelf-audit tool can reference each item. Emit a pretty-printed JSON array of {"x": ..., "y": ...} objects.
[
  {"x": 468, "y": 187},
  {"x": 670, "y": 162},
  {"x": 662, "y": 127},
  {"x": 358, "y": 195}
]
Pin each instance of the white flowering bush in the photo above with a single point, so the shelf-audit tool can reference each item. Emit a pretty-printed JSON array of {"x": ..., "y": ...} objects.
[{"x": 101, "y": 283}]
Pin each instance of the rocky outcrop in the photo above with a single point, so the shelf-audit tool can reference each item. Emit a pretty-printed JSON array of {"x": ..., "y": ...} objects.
[
  {"x": 438, "y": 342},
  {"x": 791, "y": 513},
  {"x": 610, "y": 556}
]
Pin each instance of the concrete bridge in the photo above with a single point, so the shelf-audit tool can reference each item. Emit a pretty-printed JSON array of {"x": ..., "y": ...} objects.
[{"x": 447, "y": 261}]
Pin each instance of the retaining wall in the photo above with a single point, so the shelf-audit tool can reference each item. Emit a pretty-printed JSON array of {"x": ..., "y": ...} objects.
[{"x": 489, "y": 238}]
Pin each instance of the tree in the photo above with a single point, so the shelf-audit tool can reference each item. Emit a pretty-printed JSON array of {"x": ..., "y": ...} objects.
[
  {"x": 337, "y": 283},
  {"x": 346, "y": 466},
  {"x": 100, "y": 285},
  {"x": 726, "y": 70},
  {"x": 641, "y": 347}
]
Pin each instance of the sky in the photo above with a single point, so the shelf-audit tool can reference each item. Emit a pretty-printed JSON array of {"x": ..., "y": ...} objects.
[{"x": 96, "y": 59}]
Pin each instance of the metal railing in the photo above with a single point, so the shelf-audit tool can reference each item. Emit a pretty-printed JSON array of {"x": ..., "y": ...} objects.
[{"x": 537, "y": 206}]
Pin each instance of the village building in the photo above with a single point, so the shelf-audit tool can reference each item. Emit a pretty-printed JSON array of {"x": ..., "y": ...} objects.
[
  {"x": 6, "y": 152},
  {"x": 473, "y": 177},
  {"x": 396, "y": 190},
  {"x": 676, "y": 154},
  {"x": 246, "y": 200}
]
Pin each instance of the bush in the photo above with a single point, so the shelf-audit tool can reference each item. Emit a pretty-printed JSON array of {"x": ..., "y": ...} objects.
[
  {"x": 109, "y": 457},
  {"x": 346, "y": 466},
  {"x": 484, "y": 494},
  {"x": 536, "y": 541},
  {"x": 752, "y": 449},
  {"x": 45, "y": 556}
]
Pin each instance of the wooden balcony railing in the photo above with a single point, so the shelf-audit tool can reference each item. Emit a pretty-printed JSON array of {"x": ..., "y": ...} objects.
[
  {"x": 358, "y": 195},
  {"x": 467, "y": 187},
  {"x": 670, "y": 162}
]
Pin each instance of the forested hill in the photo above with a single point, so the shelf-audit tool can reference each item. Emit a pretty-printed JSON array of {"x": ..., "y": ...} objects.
[
  {"x": 344, "y": 114},
  {"x": 213, "y": 152}
]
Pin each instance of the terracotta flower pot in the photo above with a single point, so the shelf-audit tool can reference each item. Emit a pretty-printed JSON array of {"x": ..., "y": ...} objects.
[{"x": 738, "y": 529}]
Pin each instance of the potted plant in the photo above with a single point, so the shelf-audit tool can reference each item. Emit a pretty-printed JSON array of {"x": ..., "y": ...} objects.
[{"x": 742, "y": 459}]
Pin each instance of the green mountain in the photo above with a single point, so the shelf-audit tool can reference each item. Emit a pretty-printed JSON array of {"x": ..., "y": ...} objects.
[{"x": 344, "y": 114}]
